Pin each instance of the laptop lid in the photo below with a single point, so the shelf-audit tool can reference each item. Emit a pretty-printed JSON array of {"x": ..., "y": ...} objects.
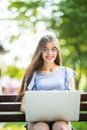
[{"x": 52, "y": 105}]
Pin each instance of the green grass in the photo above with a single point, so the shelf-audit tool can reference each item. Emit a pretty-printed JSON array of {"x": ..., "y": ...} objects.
[
  {"x": 20, "y": 126},
  {"x": 13, "y": 126},
  {"x": 79, "y": 125}
]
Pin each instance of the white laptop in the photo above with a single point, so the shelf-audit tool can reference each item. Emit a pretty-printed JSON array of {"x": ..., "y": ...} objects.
[{"x": 52, "y": 105}]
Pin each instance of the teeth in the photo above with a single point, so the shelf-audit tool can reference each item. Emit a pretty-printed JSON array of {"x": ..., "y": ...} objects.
[{"x": 49, "y": 57}]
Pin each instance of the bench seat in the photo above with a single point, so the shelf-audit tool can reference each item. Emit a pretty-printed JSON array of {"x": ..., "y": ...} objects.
[{"x": 10, "y": 109}]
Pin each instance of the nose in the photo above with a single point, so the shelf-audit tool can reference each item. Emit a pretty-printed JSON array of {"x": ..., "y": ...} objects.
[{"x": 49, "y": 51}]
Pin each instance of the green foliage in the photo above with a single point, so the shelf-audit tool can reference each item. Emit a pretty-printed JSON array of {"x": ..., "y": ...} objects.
[
  {"x": 71, "y": 28},
  {"x": 13, "y": 126},
  {"x": 14, "y": 72},
  {"x": 68, "y": 20},
  {"x": 25, "y": 12},
  {"x": 20, "y": 126},
  {"x": 79, "y": 125}
]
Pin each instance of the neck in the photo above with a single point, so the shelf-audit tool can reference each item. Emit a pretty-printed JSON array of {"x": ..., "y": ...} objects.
[{"x": 49, "y": 67}]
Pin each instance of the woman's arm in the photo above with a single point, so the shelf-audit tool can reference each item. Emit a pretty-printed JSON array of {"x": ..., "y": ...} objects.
[
  {"x": 22, "y": 107},
  {"x": 72, "y": 84}
]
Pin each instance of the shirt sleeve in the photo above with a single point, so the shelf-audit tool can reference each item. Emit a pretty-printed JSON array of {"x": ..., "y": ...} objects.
[
  {"x": 32, "y": 82},
  {"x": 69, "y": 74}
]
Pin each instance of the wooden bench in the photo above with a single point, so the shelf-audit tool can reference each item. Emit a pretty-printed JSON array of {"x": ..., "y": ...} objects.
[{"x": 10, "y": 109}]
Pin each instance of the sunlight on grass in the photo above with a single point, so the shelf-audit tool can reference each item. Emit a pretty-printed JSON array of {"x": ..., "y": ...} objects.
[
  {"x": 20, "y": 126},
  {"x": 13, "y": 126},
  {"x": 79, "y": 125}
]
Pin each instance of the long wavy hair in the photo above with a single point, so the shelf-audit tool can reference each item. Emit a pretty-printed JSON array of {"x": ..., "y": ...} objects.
[{"x": 37, "y": 61}]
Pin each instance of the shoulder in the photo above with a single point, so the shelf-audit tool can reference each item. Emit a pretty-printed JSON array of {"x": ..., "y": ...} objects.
[
  {"x": 67, "y": 68},
  {"x": 70, "y": 72}
]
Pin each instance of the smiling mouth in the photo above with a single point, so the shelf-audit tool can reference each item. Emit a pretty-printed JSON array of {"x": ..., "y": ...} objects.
[{"x": 50, "y": 57}]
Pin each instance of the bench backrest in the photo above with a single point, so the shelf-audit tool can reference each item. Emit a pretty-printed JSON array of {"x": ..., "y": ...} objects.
[{"x": 10, "y": 109}]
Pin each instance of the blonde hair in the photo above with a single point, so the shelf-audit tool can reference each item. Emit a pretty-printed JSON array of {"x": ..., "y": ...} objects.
[{"x": 37, "y": 61}]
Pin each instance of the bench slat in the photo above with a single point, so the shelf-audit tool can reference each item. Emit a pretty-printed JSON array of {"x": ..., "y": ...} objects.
[
  {"x": 8, "y": 98},
  {"x": 9, "y": 107},
  {"x": 8, "y": 103},
  {"x": 83, "y": 107},
  {"x": 84, "y": 97},
  {"x": 12, "y": 98},
  {"x": 16, "y": 107},
  {"x": 21, "y": 118},
  {"x": 12, "y": 118},
  {"x": 83, "y": 117}
]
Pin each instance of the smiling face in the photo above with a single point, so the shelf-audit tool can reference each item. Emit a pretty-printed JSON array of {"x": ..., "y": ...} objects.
[{"x": 49, "y": 53}]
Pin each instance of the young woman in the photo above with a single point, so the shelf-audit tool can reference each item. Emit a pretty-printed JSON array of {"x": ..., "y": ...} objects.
[{"x": 46, "y": 72}]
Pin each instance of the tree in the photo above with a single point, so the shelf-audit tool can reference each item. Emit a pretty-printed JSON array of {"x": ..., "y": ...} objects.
[
  {"x": 68, "y": 19},
  {"x": 71, "y": 28}
]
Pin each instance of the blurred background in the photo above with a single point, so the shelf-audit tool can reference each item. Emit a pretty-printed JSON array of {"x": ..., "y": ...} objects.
[{"x": 23, "y": 22}]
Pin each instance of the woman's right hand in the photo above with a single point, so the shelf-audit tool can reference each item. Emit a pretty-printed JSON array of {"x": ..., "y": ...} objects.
[{"x": 22, "y": 107}]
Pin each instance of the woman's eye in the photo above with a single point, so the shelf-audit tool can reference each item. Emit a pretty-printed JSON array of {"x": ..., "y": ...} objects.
[
  {"x": 45, "y": 49},
  {"x": 54, "y": 49}
]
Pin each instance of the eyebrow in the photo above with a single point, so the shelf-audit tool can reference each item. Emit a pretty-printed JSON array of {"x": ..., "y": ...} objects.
[{"x": 52, "y": 47}]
